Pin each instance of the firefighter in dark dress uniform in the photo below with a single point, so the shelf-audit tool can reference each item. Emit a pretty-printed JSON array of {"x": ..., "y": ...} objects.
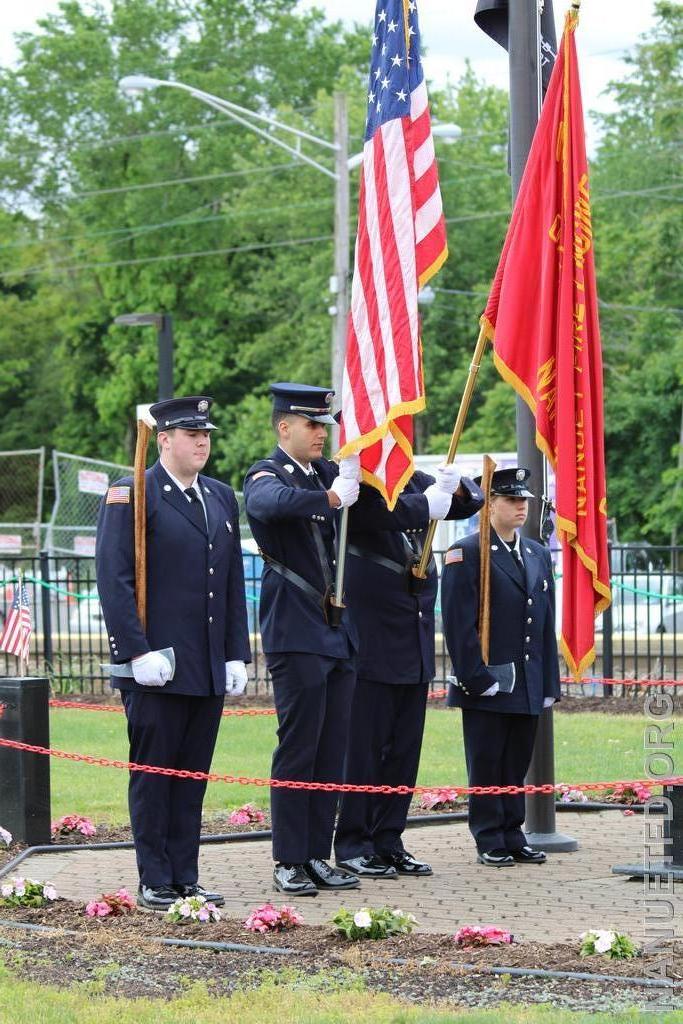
[
  {"x": 293, "y": 500},
  {"x": 395, "y": 621},
  {"x": 195, "y": 605},
  {"x": 499, "y": 728}
]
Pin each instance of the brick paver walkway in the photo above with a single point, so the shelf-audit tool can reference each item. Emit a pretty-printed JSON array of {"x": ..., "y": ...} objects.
[{"x": 551, "y": 902}]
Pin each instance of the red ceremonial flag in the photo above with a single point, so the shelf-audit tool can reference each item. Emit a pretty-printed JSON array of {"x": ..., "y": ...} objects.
[
  {"x": 542, "y": 315},
  {"x": 401, "y": 243}
]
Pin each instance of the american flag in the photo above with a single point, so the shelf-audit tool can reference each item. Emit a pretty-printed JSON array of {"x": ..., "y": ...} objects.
[
  {"x": 16, "y": 635},
  {"x": 400, "y": 244}
]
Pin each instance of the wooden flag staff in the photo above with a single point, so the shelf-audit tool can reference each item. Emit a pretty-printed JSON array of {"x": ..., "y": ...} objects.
[
  {"x": 420, "y": 570},
  {"x": 485, "y": 560},
  {"x": 140, "y": 520}
]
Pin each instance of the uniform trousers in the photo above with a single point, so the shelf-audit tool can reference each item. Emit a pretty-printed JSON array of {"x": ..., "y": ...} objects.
[
  {"x": 387, "y": 723},
  {"x": 498, "y": 749},
  {"x": 313, "y": 700},
  {"x": 169, "y": 731}
]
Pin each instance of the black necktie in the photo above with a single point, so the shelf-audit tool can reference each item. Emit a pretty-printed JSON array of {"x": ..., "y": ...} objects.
[{"x": 196, "y": 510}]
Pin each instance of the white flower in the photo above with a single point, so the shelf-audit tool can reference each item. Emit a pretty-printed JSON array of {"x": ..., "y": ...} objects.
[
  {"x": 185, "y": 910},
  {"x": 362, "y": 918},
  {"x": 603, "y": 941},
  {"x": 7, "y": 889},
  {"x": 49, "y": 892},
  {"x": 5, "y": 836}
]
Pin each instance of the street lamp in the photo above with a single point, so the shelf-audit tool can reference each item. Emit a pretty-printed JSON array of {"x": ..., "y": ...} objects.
[
  {"x": 133, "y": 84},
  {"x": 339, "y": 282},
  {"x": 164, "y": 325}
]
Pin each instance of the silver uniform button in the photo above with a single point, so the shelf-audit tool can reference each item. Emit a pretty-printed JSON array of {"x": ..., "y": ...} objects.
[
  {"x": 210, "y": 618},
  {"x": 210, "y": 547},
  {"x": 529, "y": 601},
  {"x": 529, "y": 621},
  {"x": 527, "y": 639},
  {"x": 526, "y": 657},
  {"x": 210, "y": 572},
  {"x": 419, "y": 615},
  {"x": 211, "y": 595},
  {"x": 112, "y": 638}
]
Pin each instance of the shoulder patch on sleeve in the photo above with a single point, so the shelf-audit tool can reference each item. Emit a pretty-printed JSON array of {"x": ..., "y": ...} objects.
[
  {"x": 119, "y": 495},
  {"x": 454, "y": 556},
  {"x": 262, "y": 472}
]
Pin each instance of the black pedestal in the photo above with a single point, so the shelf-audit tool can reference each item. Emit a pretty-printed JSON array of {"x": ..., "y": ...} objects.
[
  {"x": 671, "y": 832},
  {"x": 25, "y": 777}
]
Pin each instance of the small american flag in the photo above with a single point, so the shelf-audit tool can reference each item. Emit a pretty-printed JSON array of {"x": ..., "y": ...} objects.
[
  {"x": 16, "y": 635},
  {"x": 401, "y": 243}
]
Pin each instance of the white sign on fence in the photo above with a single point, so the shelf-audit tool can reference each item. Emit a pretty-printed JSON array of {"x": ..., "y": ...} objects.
[
  {"x": 84, "y": 545},
  {"x": 92, "y": 482},
  {"x": 10, "y": 543}
]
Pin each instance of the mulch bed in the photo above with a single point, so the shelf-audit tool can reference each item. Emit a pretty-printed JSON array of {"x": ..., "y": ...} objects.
[{"x": 324, "y": 946}]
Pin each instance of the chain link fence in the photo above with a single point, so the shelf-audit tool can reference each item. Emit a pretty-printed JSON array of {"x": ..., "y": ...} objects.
[
  {"x": 21, "y": 501},
  {"x": 79, "y": 485}
]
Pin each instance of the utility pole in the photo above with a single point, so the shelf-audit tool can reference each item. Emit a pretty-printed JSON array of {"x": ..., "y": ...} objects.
[
  {"x": 340, "y": 281},
  {"x": 524, "y": 36}
]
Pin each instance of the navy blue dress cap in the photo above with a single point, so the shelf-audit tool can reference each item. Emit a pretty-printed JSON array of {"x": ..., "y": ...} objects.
[
  {"x": 303, "y": 400},
  {"x": 188, "y": 413},
  {"x": 510, "y": 483}
]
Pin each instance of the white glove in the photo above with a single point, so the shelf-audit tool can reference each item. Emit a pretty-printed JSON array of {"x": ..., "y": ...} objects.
[
  {"x": 152, "y": 669},
  {"x": 492, "y": 691},
  {"x": 439, "y": 502},
  {"x": 346, "y": 490},
  {"x": 548, "y": 702},
  {"x": 349, "y": 467},
  {"x": 447, "y": 478},
  {"x": 235, "y": 678}
]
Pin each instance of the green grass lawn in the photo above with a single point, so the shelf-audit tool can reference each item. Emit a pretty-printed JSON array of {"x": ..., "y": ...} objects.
[
  {"x": 589, "y": 747},
  {"x": 308, "y": 1001}
]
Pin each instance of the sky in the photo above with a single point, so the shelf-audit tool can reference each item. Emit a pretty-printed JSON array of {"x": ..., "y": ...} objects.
[{"x": 608, "y": 29}]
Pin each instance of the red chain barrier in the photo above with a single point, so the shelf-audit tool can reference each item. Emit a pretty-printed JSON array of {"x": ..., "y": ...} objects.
[
  {"x": 433, "y": 695},
  {"x": 227, "y": 713},
  {"x": 328, "y": 787}
]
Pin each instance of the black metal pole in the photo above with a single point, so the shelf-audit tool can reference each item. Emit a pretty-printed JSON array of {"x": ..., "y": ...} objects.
[
  {"x": 525, "y": 105},
  {"x": 46, "y": 607},
  {"x": 165, "y": 338}
]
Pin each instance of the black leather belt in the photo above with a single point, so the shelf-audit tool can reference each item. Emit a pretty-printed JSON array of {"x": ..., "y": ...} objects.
[{"x": 387, "y": 563}]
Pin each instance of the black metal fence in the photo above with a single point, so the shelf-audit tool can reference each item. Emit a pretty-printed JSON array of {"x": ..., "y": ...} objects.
[{"x": 640, "y": 637}]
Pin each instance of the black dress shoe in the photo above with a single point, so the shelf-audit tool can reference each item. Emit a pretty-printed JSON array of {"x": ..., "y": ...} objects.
[
  {"x": 327, "y": 877},
  {"x": 406, "y": 864},
  {"x": 525, "y": 855},
  {"x": 369, "y": 866},
  {"x": 293, "y": 880},
  {"x": 216, "y": 898},
  {"x": 496, "y": 859},
  {"x": 156, "y": 897}
]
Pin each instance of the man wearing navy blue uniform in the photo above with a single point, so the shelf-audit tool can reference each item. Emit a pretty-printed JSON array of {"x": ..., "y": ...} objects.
[
  {"x": 292, "y": 502},
  {"x": 195, "y": 605},
  {"x": 499, "y": 728},
  {"x": 394, "y": 615}
]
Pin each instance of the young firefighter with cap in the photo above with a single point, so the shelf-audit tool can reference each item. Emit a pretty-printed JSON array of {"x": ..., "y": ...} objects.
[
  {"x": 499, "y": 728},
  {"x": 293, "y": 500},
  {"x": 394, "y": 614},
  {"x": 195, "y": 605}
]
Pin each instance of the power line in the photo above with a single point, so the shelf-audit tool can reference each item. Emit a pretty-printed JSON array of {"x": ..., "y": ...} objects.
[
  {"x": 285, "y": 243},
  {"x": 179, "y": 181}
]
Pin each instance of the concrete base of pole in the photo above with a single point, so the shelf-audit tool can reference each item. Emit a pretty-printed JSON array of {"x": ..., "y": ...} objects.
[
  {"x": 656, "y": 869},
  {"x": 551, "y": 842}
]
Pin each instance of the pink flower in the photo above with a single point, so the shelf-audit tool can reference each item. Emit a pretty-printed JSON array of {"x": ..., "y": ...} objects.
[
  {"x": 245, "y": 814},
  {"x": 436, "y": 798},
  {"x": 628, "y": 812},
  {"x": 73, "y": 823},
  {"x": 473, "y": 935},
  {"x": 267, "y": 918},
  {"x": 97, "y": 908}
]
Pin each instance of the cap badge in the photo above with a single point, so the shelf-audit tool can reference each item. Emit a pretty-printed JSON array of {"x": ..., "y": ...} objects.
[
  {"x": 202, "y": 406},
  {"x": 520, "y": 474}
]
